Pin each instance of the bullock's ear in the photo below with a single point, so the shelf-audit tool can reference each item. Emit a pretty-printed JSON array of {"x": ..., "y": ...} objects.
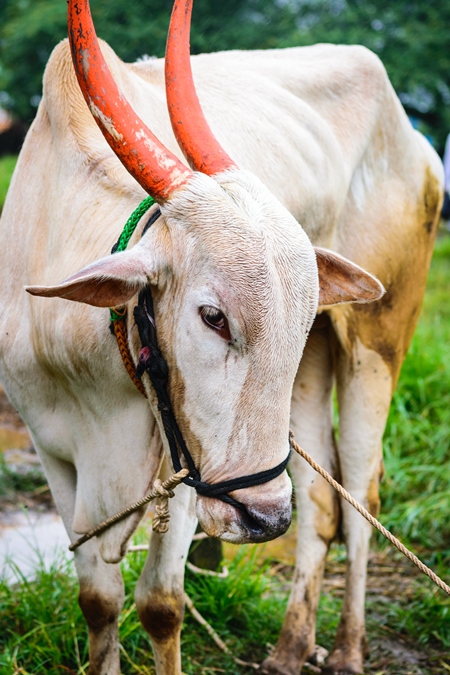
[
  {"x": 111, "y": 281},
  {"x": 342, "y": 281}
]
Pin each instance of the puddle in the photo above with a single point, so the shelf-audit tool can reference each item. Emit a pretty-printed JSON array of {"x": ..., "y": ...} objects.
[{"x": 29, "y": 539}]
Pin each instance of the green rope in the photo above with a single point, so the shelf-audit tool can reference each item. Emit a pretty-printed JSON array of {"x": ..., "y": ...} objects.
[
  {"x": 132, "y": 223},
  {"x": 125, "y": 237}
]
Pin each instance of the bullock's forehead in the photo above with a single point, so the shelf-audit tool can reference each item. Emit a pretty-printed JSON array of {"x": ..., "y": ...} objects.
[
  {"x": 248, "y": 245},
  {"x": 260, "y": 279}
]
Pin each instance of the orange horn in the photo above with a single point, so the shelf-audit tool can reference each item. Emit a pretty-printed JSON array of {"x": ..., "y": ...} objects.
[
  {"x": 148, "y": 161},
  {"x": 195, "y": 138}
]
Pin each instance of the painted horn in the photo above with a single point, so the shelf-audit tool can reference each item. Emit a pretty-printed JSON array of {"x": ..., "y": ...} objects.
[
  {"x": 156, "y": 169},
  {"x": 195, "y": 138}
]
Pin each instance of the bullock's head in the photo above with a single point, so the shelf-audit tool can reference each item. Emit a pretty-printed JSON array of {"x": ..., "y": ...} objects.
[{"x": 235, "y": 280}]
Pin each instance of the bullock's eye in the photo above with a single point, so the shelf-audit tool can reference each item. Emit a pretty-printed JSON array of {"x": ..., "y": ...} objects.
[{"x": 215, "y": 319}]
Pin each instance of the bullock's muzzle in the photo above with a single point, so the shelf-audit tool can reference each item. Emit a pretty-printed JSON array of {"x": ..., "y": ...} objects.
[{"x": 259, "y": 517}]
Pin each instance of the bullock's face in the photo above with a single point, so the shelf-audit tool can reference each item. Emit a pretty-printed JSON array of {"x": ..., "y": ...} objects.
[
  {"x": 233, "y": 314},
  {"x": 236, "y": 287}
]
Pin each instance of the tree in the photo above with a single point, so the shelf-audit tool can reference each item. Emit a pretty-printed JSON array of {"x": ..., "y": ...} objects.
[{"x": 30, "y": 29}]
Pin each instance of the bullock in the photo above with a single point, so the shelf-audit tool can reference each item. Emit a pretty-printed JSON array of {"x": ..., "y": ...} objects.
[{"x": 309, "y": 163}]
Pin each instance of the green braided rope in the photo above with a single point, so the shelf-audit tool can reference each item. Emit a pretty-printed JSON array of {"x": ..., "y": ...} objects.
[
  {"x": 126, "y": 235},
  {"x": 132, "y": 223}
]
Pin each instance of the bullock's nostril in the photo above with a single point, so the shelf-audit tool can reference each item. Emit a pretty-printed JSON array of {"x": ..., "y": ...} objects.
[{"x": 267, "y": 524}]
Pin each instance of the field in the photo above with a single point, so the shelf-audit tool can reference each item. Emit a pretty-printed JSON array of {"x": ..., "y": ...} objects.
[{"x": 42, "y": 629}]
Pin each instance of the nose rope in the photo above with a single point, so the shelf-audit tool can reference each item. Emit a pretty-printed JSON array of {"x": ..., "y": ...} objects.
[{"x": 152, "y": 362}]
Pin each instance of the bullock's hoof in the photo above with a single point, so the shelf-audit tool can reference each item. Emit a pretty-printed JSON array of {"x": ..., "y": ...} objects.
[
  {"x": 347, "y": 660},
  {"x": 338, "y": 664},
  {"x": 272, "y": 667}
]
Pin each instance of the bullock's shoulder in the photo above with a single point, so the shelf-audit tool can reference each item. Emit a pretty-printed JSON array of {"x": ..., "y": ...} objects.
[
  {"x": 62, "y": 96},
  {"x": 70, "y": 123},
  {"x": 73, "y": 129}
]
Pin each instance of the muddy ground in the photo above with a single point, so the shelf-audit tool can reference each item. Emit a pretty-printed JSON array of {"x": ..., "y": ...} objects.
[{"x": 390, "y": 580}]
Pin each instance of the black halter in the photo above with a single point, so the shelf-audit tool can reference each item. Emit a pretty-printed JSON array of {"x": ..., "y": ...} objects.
[{"x": 152, "y": 362}]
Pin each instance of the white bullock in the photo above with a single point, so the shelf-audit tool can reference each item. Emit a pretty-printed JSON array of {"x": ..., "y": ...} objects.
[{"x": 326, "y": 157}]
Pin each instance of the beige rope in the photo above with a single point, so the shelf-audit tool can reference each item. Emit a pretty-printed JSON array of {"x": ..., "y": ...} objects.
[
  {"x": 210, "y": 630},
  {"x": 161, "y": 490},
  {"x": 373, "y": 521},
  {"x": 164, "y": 491}
]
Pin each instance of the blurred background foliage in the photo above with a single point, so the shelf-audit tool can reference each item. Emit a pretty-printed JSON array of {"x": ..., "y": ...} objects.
[{"x": 412, "y": 37}]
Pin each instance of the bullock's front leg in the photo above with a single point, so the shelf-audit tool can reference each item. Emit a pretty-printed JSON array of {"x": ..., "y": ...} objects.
[
  {"x": 364, "y": 395},
  {"x": 317, "y": 505},
  {"x": 159, "y": 592},
  {"x": 101, "y": 593},
  {"x": 101, "y": 600}
]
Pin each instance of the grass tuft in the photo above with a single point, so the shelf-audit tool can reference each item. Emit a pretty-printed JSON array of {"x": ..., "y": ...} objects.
[{"x": 12, "y": 481}]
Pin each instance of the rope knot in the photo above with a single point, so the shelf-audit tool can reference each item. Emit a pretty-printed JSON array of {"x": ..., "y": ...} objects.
[
  {"x": 161, "y": 518},
  {"x": 157, "y": 367},
  {"x": 162, "y": 492}
]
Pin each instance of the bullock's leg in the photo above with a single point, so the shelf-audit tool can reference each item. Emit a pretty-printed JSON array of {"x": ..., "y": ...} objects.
[
  {"x": 364, "y": 395},
  {"x": 159, "y": 592},
  {"x": 101, "y": 600},
  {"x": 317, "y": 505},
  {"x": 101, "y": 587}
]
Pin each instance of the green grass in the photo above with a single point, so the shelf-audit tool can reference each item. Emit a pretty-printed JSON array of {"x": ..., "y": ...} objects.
[
  {"x": 43, "y": 628},
  {"x": 12, "y": 482},
  {"x": 7, "y": 165}
]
